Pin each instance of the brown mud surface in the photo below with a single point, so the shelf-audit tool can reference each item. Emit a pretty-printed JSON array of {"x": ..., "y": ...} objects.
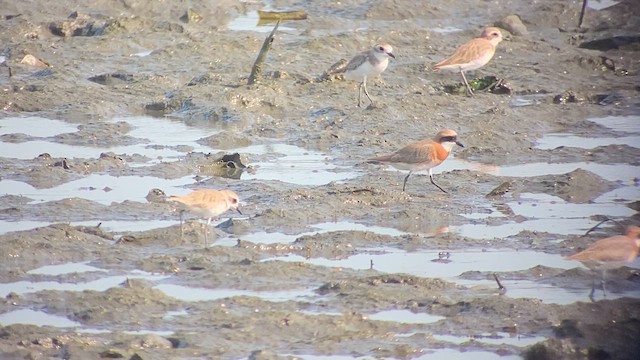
[{"x": 282, "y": 297}]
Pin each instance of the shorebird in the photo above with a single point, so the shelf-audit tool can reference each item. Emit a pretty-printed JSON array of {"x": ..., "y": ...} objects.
[
  {"x": 610, "y": 253},
  {"x": 472, "y": 55},
  {"x": 422, "y": 155},
  {"x": 368, "y": 64},
  {"x": 207, "y": 204}
]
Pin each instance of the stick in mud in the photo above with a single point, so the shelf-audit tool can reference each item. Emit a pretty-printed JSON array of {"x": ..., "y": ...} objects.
[
  {"x": 584, "y": 7},
  {"x": 262, "y": 55},
  {"x": 502, "y": 289}
]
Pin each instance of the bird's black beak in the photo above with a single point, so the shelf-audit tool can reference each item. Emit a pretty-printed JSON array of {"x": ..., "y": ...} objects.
[
  {"x": 391, "y": 54},
  {"x": 238, "y": 210},
  {"x": 459, "y": 143}
]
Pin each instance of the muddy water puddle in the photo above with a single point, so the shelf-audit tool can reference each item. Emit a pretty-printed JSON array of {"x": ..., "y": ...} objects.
[
  {"x": 163, "y": 133},
  {"x": 547, "y": 213},
  {"x": 626, "y": 131},
  {"x": 275, "y": 237},
  {"x": 250, "y": 21},
  {"x": 556, "y": 140},
  {"x": 158, "y": 139},
  {"x": 63, "y": 269},
  {"x": 405, "y": 317},
  {"x": 41, "y": 318},
  {"x": 102, "y": 284},
  {"x": 432, "y": 264},
  {"x": 296, "y": 166},
  {"x": 497, "y": 338},
  {"x": 455, "y": 263},
  {"x": 38, "y": 318},
  {"x": 188, "y": 294},
  {"x": 429, "y": 354},
  {"x": 115, "y": 226},
  {"x": 100, "y": 188},
  {"x": 99, "y": 284},
  {"x": 623, "y": 173}
]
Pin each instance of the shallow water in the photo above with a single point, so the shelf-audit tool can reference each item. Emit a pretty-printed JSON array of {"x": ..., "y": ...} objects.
[
  {"x": 164, "y": 132},
  {"x": 101, "y": 188},
  {"x": 623, "y": 173},
  {"x": 437, "y": 354},
  {"x": 627, "y": 125},
  {"x": 38, "y": 318},
  {"x": 446, "y": 354},
  {"x": 427, "y": 264},
  {"x": 295, "y": 166},
  {"x": 405, "y": 317},
  {"x": 63, "y": 269},
  {"x": 495, "y": 339},
  {"x": 101, "y": 284},
  {"x": 275, "y": 237},
  {"x": 187, "y": 293}
]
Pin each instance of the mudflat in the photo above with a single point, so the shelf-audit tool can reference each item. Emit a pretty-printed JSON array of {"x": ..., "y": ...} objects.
[{"x": 103, "y": 102}]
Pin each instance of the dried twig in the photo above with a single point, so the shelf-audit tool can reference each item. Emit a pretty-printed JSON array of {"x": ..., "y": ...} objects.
[{"x": 281, "y": 15}]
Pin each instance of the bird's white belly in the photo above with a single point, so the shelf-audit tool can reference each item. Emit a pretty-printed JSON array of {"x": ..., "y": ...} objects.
[{"x": 365, "y": 70}]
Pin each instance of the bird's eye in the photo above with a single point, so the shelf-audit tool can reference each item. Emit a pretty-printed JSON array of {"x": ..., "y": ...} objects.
[
  {"x": 234, "y": 201},
  {"x": 381, "y": 48}
]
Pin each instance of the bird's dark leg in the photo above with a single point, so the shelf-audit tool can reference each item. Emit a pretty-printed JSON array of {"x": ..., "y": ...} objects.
[
  {"x": 404, "y": 184},
  {"x": 434, "y": 183}
]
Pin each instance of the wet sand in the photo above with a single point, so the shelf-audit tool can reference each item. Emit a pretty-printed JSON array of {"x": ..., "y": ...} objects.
[{"x": 330, "y": 259}]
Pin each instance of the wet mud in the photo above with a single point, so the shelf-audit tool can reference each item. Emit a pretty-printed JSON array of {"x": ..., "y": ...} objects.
[{"x": 330, "y": 259}]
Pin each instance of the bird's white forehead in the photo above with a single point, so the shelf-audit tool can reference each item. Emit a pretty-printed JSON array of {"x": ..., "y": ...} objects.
[{"x": 385, "y": 48}]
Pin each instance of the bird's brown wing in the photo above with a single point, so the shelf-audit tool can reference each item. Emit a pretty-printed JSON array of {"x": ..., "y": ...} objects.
[
  {"x": 199, "y": 198},
  {"x": 411, "y": 154},
  {"x": 472, "y": 50},
  {"x": 616, "y": 248}
]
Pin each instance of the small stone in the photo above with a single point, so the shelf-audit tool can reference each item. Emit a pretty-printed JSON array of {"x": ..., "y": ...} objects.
[
  {"x": 153, "y": 341},
  {"x": 501, "y": 189},
  {"x": 156, "y": 196},
  {"x": 111, "y": 354},
  {"x": 513, "y": 24},
  {"x": 12, "y": 296},
  {"x": 191, "y": 17},
  {"x": 34, "y": 61}
]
